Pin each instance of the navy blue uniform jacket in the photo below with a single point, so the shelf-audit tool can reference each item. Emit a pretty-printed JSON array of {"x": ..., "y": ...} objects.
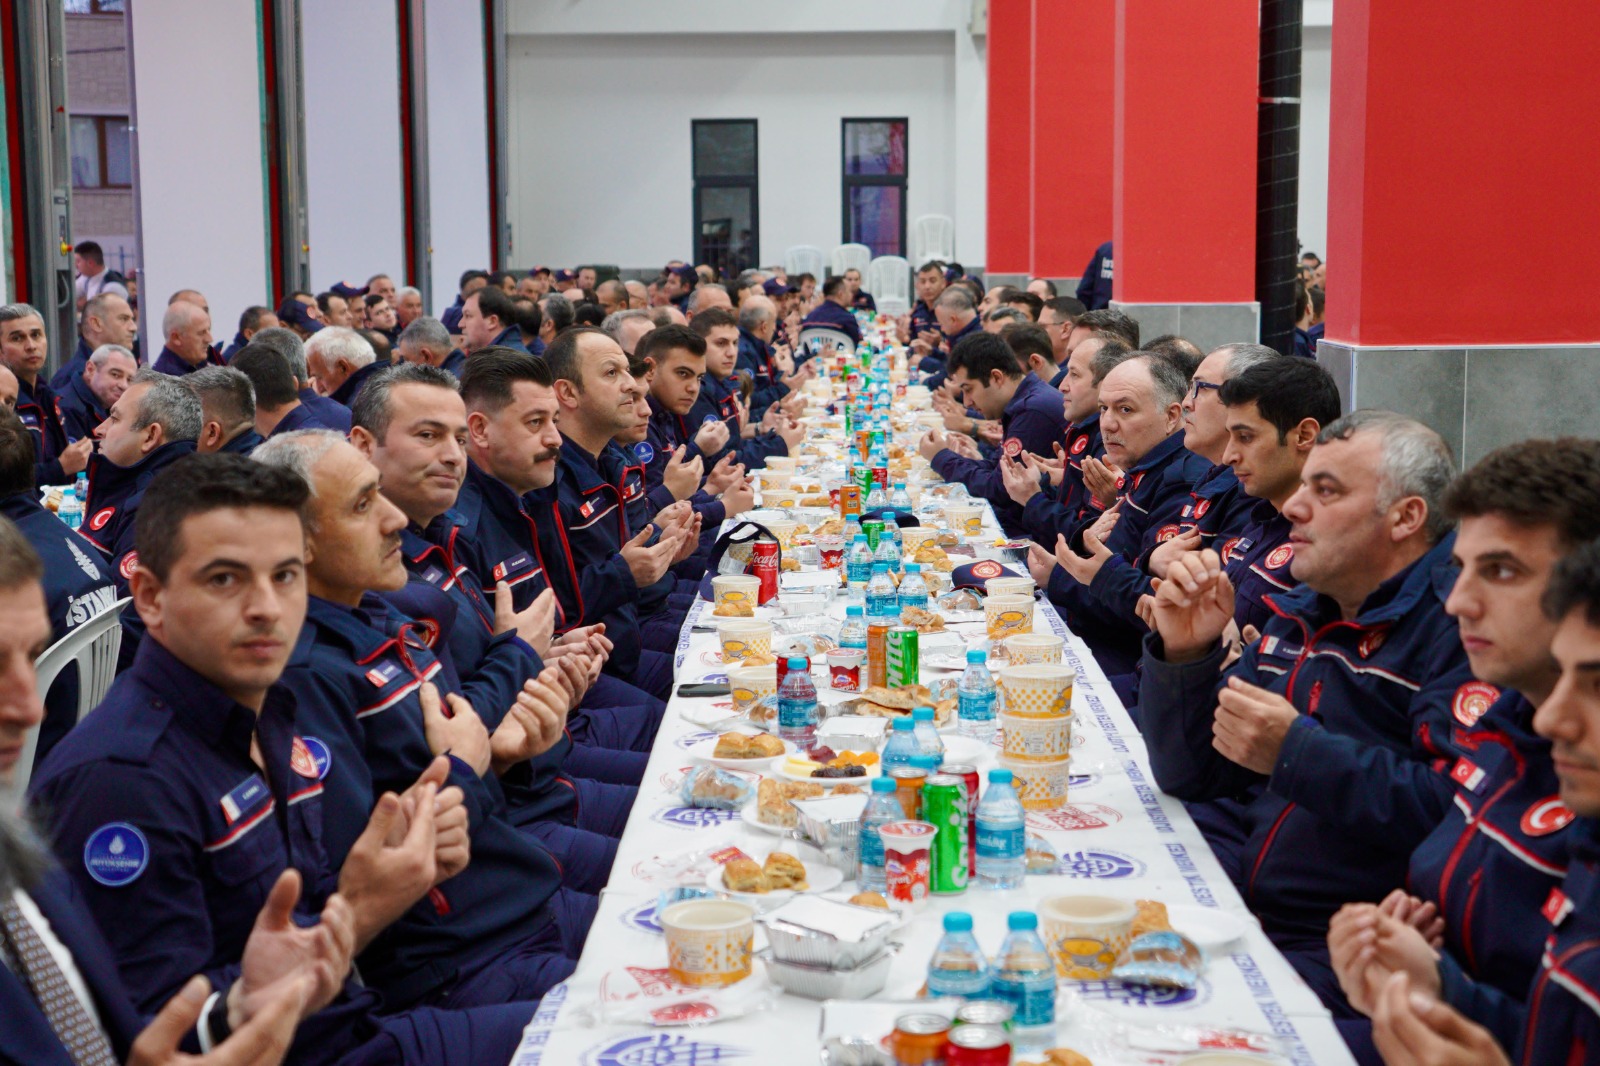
[
  {"x": 1031, "y": 422},
  {"x": 755, "y": 357},
  {"x": 72, "y": 368},
  {"x": 346, "y": 393},
  {"x": 1563, "y": 1023},
  {"x": 1094, "y": 288},
  {"x": 114, "y": 495},
  {"x": 1257, "y": 561},
  {"x": 829, "y": 314},
  {"x": 1360, "y": 780},
  {"x": 36, "y": 406},
  {"x": 327, "y": 412},
  {"x": 80, "y": 409},
  {"x": 1046, "y": 515},
  {"x": 665, "y": 433},
  {"x": 497, "y": 540},
  {"x": 1491, "y": 864}
]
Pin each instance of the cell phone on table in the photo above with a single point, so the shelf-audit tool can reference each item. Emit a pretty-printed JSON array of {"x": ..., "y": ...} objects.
[{"x": 703, "y": 688}]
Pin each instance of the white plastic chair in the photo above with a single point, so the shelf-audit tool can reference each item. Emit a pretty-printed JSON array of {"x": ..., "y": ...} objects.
[
  {"x": 851, "y": 257},
  {"x": 889, "y": 282},
  {"x": 94, "y": 646},
  {"x": 805, "y": 259},
  {"x": 933, "y": 237},
  {"x": 816, "y": 339}
]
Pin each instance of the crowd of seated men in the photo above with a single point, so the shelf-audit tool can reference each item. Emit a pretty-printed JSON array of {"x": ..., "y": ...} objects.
[{"x": 405, "y": 591}]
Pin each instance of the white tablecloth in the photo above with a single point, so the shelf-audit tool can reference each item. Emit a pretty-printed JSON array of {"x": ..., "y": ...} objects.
[{"x": 1119, "y": 836}]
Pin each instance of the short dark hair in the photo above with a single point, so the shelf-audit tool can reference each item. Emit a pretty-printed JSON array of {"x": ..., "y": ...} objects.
[
  {"x": 1006, "y": 294},
  {"x": 226, "y": 391},
  {"x": 803, "y": 278},
  {"x": 372, "y": 410},
  {"x": 19, "y": 562},
  {"x": 251, "y": 318},
  {"x": 373, "y": 299},
  {"x": 529, "y": 317},
  {"x": 588, "y": 314},
  {"x": 1112, "y": 353},
  {"x": 91, "y": 251},
  {"x": 558, "y": 309},
  {"x": 1179, "y": 351},
  {"x": 834, "y": 286},
  {"x": 200, "y": 484},
  {"x": 1031, "y": 301},
  {"x": 933, "y": 265},
  {"x": 16, "y": 455},
  {"x": 1049, "y": 287},
  {"x": 471, "y": 275},
  {"x": 500, "y": 277},
  {"x": 324, "y": 297},
  {"x": 661, "y": 340},
  {"x": 486, "y": 383},
  {"x": 980, "y": 353},
  {"x": 1535, "y": 483},
  {"x": 269, "y": 374},
  {"x": 1029, "y": 340},
  {"x": 1574, "y": 584},
  {"x": 1286, "y": 392},
  {"x": 492, "y": 300},
  {"x": 706, "y": 321},
  {"x": 1068, "y": 307},
  {"x": 1106, "y": 320},
  {"x": 562, "y": 354}
]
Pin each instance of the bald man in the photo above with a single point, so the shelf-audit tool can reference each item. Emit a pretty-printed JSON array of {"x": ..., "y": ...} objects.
[{"x": 187, "y": 329}]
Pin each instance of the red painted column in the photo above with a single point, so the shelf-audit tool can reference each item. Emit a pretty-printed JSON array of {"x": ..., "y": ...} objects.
[
  {"x": 1184, "y": 152},
  {"x": 1461, "y": 183},
  {"x": 1073, "y": 68},
  {"x": 1010, "y": 170}
]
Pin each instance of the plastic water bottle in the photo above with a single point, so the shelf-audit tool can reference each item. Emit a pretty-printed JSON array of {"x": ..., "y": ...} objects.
[
  {"x": 883, "y": 807},
  {"x": 81, "y": 485},
  {"x": 900, "y": 499},
  {"x": 891, "y": 530},
  {"x": 929, "y": 742},
  {"x": 975, "y": 698},
  {"x": 1002, "y": 834},
  {"x": 852, "y": 529},
  {"x": 1025, "y": 977},
  {"x": 875, "y": 498},
  {"x": 958, "y": 967},
  {"x": 70, "y": 510},
  {"x": 887, "y": 552},
  {"x": 901, "y": 747},
  {"x": 854, "y": 633},
  {"x": 858, "y": 563},
  {"x": 883, "y": 599},
  {"x": 913, "y": 588},
  {"x": 797, "y": 705}
]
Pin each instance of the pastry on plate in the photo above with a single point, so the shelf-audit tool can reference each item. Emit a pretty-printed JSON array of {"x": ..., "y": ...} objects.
[
  {"x": 764, "y": 746},
  {"x": 923, "y": 621},
  {"x": 785, "y": 871},
  {"x": 743, "y": 875},
  {"x": 1152, "y": 917},
  {"x": 817, "y": 501},
  {"x": 1065, "y": 1056},
  {"x": 869, "y": 899},
  {"x": 733, "y": 746}
]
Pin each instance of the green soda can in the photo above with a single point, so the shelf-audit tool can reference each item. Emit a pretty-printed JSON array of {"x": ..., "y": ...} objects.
[
  {"x": 944, "y": 806},
  {"x": 872, "y": 527},
  {"x": 900, "y": 655}
]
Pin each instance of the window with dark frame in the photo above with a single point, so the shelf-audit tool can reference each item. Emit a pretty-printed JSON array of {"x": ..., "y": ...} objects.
[
  {"x": 727, "y": 217},
  {"x": 102, "y": 152},
  {"x": 873, "y": 197}
]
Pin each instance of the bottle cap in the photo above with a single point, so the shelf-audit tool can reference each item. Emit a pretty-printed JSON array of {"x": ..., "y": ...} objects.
[
  {"x": 1022, "y": 920},
  {"x": 901, "y": 725},
  {"x": 958, "y": 922},
  {"x": 854, "y": 608},
  {"x": 860, "y": 538},
  {"x": 913, "y": 568},
  {"x": 797, "y": 664},
  {"x": 998, "y": 777},
  {"x": 922, "y": 714},
  {"x": 977, "y": 655},
  {"x": 883, "y": 784}
]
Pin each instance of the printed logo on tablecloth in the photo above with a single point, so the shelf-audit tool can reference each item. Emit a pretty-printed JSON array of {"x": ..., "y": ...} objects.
[
  {"x": 1079, "y": 782},
  {"x": 1100, "y": 865},
  {"x": 642, "y": 918},
  {"x": 1130, "y": 995},
  {"x": 689, "y": 740},
  {"x": 1074, "y": 817},
  {"x": 694, "y": 817},
  {"x": 661, "y": 1049}
]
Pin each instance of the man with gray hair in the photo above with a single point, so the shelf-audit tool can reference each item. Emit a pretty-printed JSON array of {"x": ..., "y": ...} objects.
[
  {"x": 186, "y": 328},
  {"x": 87, "y": 399},
  {"x": 287, "y": 343},
  {"x": 626, "y": 327},
  {"x": 760, "y": 358},
  {"x": 425, "y": 341},
  {"x": 228, "y": 410},
  {"x": 1098, "y": 590},
  {"x": 407, "y": 305},
  {"x": 638, "y": 295},
  {"x": 704, "y": 298},
  {"x": 340, "y": 362},
  {"x": 957, "y": 316},
  {"x": 1330, "y": 728},
  {"x": 154, "y": 424}
]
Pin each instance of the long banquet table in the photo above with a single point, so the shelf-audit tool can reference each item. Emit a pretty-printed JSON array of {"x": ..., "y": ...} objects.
[{"x": 1118, "y": 836}]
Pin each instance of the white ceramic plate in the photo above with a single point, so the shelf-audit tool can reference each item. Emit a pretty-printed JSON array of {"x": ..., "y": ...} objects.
[
  {"x": 778, "y": 770},
  {"x": 751, "y": 818},
  {"x": 1210, "y": 928},
  {"x": 819, "y": 878},
  {"x": 702, "y": 751}
]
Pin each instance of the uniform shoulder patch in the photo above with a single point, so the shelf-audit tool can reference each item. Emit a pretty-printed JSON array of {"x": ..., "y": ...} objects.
[
  {"x": 116, "y": 854},
  {"x": 1013, "y": 447},
  {"x": 1472, "y": 700},
  {"x": 1167, "y": 533},
  {"x": 1079, "y": 445},
  {"x": 644, "y": 451},
  {"x": 98, "y": 520},
  {"x": 1546, "y": 816},
  {"x": 301, "y": 760},
  {"x": 1279, "y": 556},
  {"x": 321, "y": 755},
  {"x": 129, "y": 564},
  {"x": 1201, "y": 507}
]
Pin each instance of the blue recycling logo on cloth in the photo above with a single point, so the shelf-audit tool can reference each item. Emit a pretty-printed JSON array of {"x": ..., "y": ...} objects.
[
  {"x": 642, "y": 918},
  {"x": 116, "y": 854},
  {"x": 1103, "y": 865},
  {"x": 693, "y": 817},
  {"x": 1131, "y": 995},
  {"x": 662, "y": 1049}
]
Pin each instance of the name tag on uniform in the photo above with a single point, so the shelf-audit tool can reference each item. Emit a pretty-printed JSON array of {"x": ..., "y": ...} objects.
[
  {"x": 383, "y": 673},
  {"x": 506, "y": 567},
  {"x": 245, "y": 798},
  {"x": 433, "y": 575}
]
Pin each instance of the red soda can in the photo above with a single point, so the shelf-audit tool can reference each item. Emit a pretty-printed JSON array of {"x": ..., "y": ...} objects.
[
  {"x": 969, "y": 777},
  {"x": 783, "y": 665},
  {"x": 764, "y": 564},
  {"x": 977, "y": 1045}
]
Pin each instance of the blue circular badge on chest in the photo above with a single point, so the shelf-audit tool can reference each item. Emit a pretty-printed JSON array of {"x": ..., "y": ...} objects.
[
  {"x": 321, "y": 757},
  {"x": 116, "y": 854},
  {"x": 644, "y": 451}
]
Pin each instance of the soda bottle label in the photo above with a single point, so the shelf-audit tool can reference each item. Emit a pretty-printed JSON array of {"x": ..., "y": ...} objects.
[
  {"x": 1032, "y": 999},
  {"x": 976, "y": 706},
  {"x": 794, "y": 714},
  {"x": 995, "y": 842}
]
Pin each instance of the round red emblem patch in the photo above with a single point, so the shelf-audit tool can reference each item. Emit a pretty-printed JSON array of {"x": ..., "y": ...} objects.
[
  {"x": 1279, "y": 556},
  {"x": 1227, "y": 550},
  {"x": 130, "y": 563},
  {"x": 300, "y": 760},
  {"x": 1201, "y": 508},
  {"x": 101, "y": 517},
  {"x": 1079, "y": 445},
  {"x": 986, "y": 569},
  {"x": 1472, "y": 700},
  {"x": 1545, "y": 817},
  {"x": 1167, "y": 533},
  {"x": 1013, "y": 447},
  {"x": 1372, "y": 642}
]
